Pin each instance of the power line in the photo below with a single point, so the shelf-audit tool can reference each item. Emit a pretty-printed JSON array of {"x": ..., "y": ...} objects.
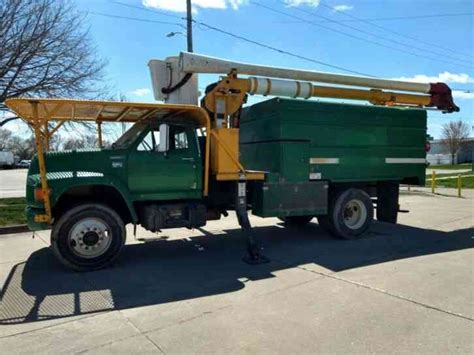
[
  {"x": 282, "y": 51},
  {"x": 353, "y": 36},
  {"x": 401, "y": 17},
  {"x": 261, "y": 44},
  {"x": 148, "y": 10},
  {"x": 369, "y": 22},
  {"x": 200, "y": 23},
  {"x": 354, "y": 19},
  {"x": 183, "y": 18},
  {"x": 135, "y": 19}
]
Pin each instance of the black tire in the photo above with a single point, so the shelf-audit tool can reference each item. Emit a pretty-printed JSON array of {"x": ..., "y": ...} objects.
[
  {"x": 387, "y": 202},
  {"x": 296, "y": 221},
  {"x": 350, "y": 214},
  {"x": 103, "y": 228}
]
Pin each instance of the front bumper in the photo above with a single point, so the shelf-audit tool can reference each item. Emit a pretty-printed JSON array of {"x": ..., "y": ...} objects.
[{"x": 31, "y": 213}]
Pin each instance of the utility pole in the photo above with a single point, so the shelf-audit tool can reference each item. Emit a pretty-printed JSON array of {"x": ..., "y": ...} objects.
[{"x": 189, "y": 25}]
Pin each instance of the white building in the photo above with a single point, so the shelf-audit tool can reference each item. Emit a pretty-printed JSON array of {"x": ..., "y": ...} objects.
[{"x": 439, "y": 154}]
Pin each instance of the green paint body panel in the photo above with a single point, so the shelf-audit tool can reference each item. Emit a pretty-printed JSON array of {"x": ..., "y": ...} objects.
[
  {"x": 135, "y": 175},
  {"x": 282, "y": 135},
  {"x": 290, "y": 199}
]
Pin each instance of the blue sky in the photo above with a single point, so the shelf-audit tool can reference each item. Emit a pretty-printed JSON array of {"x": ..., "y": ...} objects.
[{"x": 430, "y": 48}]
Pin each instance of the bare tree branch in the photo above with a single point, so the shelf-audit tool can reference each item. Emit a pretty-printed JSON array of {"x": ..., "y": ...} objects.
[
  {"x": 46, "y": 51},
  {"x": 454, "y": 135}
]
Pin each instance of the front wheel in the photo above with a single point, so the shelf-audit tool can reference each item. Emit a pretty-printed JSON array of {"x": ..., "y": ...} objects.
[
  {"x": 88, "y": 237},
  {"x": 350, "y": 214}
]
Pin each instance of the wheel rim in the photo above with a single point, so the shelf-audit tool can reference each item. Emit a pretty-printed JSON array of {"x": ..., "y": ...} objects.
[
  {"x": 355, "y": 214},
  {"x": 90, "y": 238}
]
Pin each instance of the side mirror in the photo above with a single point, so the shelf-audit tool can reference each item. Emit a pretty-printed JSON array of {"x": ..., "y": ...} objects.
[{"x": 164, "y": 144}]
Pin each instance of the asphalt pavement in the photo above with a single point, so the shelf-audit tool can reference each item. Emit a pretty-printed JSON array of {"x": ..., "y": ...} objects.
[{"x": 402, "y": 289}]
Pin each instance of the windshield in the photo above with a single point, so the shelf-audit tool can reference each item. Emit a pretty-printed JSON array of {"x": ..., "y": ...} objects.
[{"x": 130, "y": 136}]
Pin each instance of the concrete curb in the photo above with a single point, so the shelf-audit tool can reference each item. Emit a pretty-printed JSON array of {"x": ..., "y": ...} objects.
[{"x": 14, "y": 229}]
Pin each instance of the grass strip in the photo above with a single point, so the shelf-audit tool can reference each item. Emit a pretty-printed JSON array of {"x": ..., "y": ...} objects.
[{"x": 12, "y": 211}]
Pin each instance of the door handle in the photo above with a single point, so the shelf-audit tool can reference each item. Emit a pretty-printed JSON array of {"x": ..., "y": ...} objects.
[{"x": 188, "y": 159}]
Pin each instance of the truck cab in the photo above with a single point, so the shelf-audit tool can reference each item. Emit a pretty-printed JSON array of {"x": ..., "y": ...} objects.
[
  {"x": 154, "y": 175},
  {"x": 151, "y": 161}
]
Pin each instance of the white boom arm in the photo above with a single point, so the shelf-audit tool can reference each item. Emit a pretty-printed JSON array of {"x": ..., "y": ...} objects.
[
  {"x": 197, "y": 63},
  {"x": 300, "y": 84}
]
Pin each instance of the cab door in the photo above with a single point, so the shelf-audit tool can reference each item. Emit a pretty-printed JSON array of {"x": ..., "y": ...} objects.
[{"x": 175, "y": 174}]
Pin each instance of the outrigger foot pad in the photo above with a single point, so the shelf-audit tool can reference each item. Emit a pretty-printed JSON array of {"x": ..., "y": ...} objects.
[{"x": 255, "y": 258}]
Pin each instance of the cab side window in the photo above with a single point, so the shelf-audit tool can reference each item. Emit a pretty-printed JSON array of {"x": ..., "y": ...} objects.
[
  {"x": 150, "y": 142},
  {"x": 179, "y": 139}
]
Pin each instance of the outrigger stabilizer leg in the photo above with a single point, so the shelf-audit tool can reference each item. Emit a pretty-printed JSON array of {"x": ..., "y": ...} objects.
[{"x": 253, "y": 255}]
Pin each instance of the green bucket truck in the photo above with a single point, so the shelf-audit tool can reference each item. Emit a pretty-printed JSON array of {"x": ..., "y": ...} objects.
[{"x": 181, "y": 165}]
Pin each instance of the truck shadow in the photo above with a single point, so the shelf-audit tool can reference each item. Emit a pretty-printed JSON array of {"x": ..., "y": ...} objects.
[{"x": 180, "y": 269}]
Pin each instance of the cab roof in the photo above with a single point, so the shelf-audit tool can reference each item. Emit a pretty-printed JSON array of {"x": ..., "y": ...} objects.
[{"x": 103, "y": 111}]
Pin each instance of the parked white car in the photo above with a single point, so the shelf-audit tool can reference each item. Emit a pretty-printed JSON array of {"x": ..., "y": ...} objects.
[{"x": 24, "y": 164}]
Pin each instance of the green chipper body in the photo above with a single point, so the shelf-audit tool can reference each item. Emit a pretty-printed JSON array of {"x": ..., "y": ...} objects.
[{"x": 307, "y": 146}]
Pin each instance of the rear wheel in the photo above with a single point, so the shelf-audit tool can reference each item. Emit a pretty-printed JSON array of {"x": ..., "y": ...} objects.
[
  {"x": 88, "y": 237},
  {"x": 296, "y": 221},
  {"x": 350, "y": 214}
]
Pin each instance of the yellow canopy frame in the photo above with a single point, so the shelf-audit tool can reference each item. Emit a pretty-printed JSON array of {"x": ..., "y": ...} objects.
[{"x": 38, "y": 113}]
